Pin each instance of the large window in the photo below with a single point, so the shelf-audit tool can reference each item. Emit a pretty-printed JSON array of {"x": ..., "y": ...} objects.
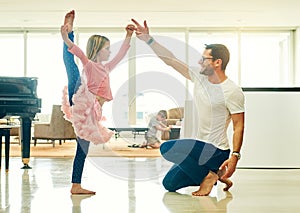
[
  {"x": 158, "y": 85},
  {"x": 12, "y": 55},
  {"x": 257, "y": 59},
  {"x": 266, "y": 59},
  {"x": 142, "y": 84},
  {"x": 44, "y": 60}
]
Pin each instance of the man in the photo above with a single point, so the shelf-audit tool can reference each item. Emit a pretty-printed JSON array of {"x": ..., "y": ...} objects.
[{"x": 218, "y": 100}]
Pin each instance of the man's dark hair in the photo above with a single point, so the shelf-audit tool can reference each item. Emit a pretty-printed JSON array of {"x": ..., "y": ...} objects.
[{"x": 219, "y": 51}]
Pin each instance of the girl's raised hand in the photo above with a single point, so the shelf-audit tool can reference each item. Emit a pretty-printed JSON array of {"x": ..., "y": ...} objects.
[{"x": 130, "y": 28}]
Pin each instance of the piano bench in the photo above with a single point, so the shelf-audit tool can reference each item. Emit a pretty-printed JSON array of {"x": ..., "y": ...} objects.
[{"x": 5, "y": 131}]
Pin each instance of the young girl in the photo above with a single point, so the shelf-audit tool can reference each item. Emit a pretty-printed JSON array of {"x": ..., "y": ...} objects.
[{"x": 85, "y": 95}]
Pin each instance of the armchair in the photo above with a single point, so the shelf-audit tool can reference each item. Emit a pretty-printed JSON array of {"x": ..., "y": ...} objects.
[{"x": 58, "y": 128}]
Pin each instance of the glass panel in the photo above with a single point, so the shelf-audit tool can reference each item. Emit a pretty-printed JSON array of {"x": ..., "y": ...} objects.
[
  {"x": 159, "y": 86},
  {"x": 265, "y": 59},
  {"x": 12, "y": 55},
  {"x": 45, "y": 62}
]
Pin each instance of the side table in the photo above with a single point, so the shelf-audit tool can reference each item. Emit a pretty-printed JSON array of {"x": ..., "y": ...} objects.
[{"x": 5, "y": 131}]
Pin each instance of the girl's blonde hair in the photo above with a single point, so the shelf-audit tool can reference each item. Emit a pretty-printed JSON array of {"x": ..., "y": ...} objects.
[{"x": 94, "y": 45}]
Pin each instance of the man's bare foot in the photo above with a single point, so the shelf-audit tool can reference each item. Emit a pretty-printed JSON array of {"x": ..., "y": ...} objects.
[
  {"x": 77, "y": 189},
  {"x": 206, "y": 185},
  {"x": 69, "y": 19},
  {"x": 227, "y": 181}
]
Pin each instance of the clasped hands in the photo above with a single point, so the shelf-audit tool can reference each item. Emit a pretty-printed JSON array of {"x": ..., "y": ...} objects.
[{"x": 142, "y": 32}]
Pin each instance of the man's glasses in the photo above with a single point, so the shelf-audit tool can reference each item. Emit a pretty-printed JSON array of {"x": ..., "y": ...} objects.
[{"x": 202, "y": 59}]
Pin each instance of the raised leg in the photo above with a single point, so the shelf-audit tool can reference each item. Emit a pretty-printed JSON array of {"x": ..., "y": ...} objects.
[{"x": 68, "y": 58}]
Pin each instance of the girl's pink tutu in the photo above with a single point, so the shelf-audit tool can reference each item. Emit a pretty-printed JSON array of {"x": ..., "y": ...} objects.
[{"x": 85, "y": 115}]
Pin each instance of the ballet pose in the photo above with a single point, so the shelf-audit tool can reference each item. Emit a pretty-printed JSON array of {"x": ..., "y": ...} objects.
[{"x": 86, "y": 93}]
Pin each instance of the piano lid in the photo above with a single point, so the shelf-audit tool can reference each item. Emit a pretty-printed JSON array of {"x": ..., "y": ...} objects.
[
  {"x": 18, "y": 96},
  {"x": 18, "y": 86}
]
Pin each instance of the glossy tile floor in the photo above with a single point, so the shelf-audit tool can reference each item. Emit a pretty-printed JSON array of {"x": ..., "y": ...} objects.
[{"x": 133, "y": 185}]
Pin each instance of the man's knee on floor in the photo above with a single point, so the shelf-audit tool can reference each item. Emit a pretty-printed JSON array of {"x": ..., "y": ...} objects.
[{"x": 168, "y": 186}]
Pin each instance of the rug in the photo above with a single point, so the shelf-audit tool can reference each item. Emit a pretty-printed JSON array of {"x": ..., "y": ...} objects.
[{"x": 113, "y": 148}]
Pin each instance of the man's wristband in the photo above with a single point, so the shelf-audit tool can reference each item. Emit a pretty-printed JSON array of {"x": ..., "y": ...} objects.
[
  {"x": 237, "y": 154},
  {"x": 150, "y": 41}
]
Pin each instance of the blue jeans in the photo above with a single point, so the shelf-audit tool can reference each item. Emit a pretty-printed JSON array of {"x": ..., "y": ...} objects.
[
  {"x": 79, "y": 160},
  {"x": 73, "y": 84},
  {"x": 72, "y": 70},
  {"x": 193, "y": 159}
]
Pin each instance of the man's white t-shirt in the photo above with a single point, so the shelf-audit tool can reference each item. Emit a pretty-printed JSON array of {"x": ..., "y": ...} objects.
[{"x": 214, "y": 104}]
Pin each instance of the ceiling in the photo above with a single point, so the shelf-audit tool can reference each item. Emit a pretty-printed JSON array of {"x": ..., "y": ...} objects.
[{"x": 158, "y": 13}]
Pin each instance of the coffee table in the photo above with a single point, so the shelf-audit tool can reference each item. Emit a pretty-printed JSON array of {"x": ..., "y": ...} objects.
[{"x": 135, "y": 130}]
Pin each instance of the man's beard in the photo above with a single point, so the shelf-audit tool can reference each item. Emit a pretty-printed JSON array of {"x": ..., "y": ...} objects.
[{"x": 207, "y": 71}]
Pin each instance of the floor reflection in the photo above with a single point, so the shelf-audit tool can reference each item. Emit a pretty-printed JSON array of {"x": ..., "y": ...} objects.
[
  {"x": 133, "y": 185},
  {"x": 28, "y": 188},
  {"x": 4, "y": 193},
  {"x": 177, "y": 202},
  {"x": 76, "y": 202}
]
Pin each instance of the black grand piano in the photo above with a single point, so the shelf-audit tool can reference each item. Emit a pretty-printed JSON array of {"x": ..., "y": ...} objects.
[{"x": 18, "y": 97}]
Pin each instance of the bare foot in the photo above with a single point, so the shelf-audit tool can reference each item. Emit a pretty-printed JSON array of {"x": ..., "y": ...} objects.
[
  {"x": 227, "y": 181},
  {"x": 77, "y": 189},
  {"x": 143, "y": 145},
  {"x": 207, "y": 184},
  {"x": 69, "y": 19},
  {"x": 155, "y": 146}
]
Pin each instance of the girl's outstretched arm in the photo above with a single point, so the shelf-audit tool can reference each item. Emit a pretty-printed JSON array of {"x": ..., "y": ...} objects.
[{"x": 129, "y": 31}]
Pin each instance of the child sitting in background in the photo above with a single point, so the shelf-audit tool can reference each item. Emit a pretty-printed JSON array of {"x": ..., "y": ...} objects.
[{"x": 155, "y": 124}]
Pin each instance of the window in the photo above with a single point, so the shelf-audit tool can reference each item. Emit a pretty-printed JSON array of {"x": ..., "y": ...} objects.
[
  {"x": 142, "y": 84},
  {"x": 44, "y": 60},
  {"x": 266, "y": 59},
  {"x": 159, "y": 86},
  {"x": 257, "y": 59},
  {"x": 12, "y": 55}
]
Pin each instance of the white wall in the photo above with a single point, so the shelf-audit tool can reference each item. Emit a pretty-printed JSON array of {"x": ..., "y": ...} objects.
[{"x": 272, "y": 130}]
